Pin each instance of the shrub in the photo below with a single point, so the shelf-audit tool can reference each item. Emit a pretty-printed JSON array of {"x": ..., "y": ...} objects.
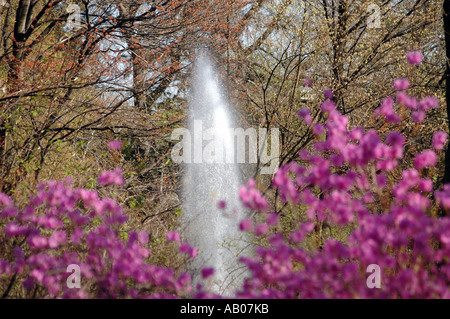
[
  {"x": 345, "y": 181},
  {"x": 63, "y": 226}
]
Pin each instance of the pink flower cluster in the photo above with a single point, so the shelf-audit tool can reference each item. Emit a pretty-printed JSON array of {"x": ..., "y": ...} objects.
[
  {"x": 343, "y": 181},
  {"x": 387, "y": 110},
  {"x": 111, "y": 177},
  {"x": 414, "y": 57},
  {"x": 115, "y": 145},
  {"x": 61, "y": 226},
  {"x": 418, "y": 108},
  {"x": 305, "y": 114},
  {"x": 252, "y": 198},
  {"x": 401, "y": 84},
  {"x": 185, "y": 248},
  {"x": 439, "y": 140}
]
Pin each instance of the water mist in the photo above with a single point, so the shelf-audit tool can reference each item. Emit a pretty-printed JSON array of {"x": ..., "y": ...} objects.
[{"x": 210, "y": 179}]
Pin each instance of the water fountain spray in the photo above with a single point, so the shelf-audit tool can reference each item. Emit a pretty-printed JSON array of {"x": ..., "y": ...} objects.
[{"x": 211, "y": 178}]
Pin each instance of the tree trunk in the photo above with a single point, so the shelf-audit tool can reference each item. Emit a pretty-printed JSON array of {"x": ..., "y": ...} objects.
[
  {"x": 3, "y": 89},
  {"x": 23, "y": 17},
  {"x": 447, "y": 82},
  {"x": 129, "y": 13},
  {"x": 3, "y": 5}
]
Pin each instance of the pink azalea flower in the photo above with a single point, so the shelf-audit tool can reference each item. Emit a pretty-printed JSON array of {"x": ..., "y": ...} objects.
[
  {"x": 328, "y": 94},
  {"x": 111, "y": 177},
  {"x": 115, "y": 145},
  {"x": 328, "y": 106},
  {"x": 401, "y": 84},
  {"x": 245, "y": 225},
  {"x": 428, "y": 103},
  {"x": 425, "y": 159},
  {"x": 414, "y": 57},
  {"x": 439, "y": 140},
  {"x": 261, "y": 229},
  {"x": 188, "y": 250},
  {"x": 318, "y": 129},
  {"x": 305, "y": 114},
  {"x": 418, "y": 116},
  {"x": 252, "y": 198},
  {"x": 173, "y": 236},
  {"x": 222, "y": 204},
  {"x": 207, "y": 272},
  {"x": 307, "y": 82}
]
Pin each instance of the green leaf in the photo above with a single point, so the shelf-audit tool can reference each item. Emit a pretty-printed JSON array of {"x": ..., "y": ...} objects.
[{"x": 123, "y": 235}]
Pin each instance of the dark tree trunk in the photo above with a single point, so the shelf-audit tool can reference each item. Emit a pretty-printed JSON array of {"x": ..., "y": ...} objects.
[
  {"x": 129, "y": 13},
  {"x": 447, "y": 82},
  {"x": 3, "y": 6},
  {"x": 23, "y": 18}
]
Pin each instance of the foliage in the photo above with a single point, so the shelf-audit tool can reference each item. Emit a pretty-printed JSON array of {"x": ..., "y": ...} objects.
[
  {"x": 63, "y": 226},
  {"x": 124, "y": 76},
  {"x": 345, "y": 181}
]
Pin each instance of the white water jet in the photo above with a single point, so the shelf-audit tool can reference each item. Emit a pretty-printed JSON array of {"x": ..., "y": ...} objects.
[{"x": 215, "y": 232}]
